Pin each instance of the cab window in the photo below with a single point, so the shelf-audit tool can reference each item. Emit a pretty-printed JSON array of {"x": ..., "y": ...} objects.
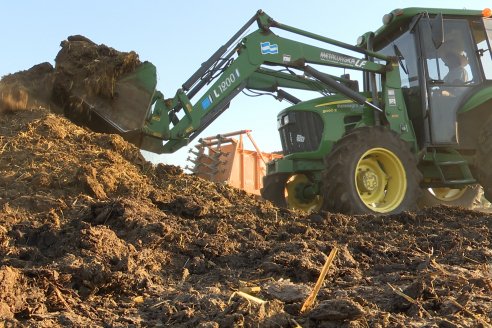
[{"x": 454, "y": 62}]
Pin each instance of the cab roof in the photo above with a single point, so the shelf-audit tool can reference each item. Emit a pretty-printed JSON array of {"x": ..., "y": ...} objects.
[{"x": 402, "y": 17}]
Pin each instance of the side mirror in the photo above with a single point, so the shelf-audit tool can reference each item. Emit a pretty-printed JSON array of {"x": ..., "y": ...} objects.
[{"x": 437, "y": 30}]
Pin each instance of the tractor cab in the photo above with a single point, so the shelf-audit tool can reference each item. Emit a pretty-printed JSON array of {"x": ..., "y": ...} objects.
[{"x": 444, "y": 59}]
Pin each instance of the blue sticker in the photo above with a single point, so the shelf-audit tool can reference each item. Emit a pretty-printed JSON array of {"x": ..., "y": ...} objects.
[
  {"x": 268, "y": 49},
  {"x": 207, "y": 102}
]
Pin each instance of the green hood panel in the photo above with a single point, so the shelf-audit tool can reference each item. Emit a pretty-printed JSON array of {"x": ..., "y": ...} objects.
[{"x": 477, "y": 99}]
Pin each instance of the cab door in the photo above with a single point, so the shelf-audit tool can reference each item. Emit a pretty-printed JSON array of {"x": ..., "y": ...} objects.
[{"x": 451, "y": 72}]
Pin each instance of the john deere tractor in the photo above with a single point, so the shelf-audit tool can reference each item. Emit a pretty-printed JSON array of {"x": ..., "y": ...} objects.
[{"x": 417, "y": 132}]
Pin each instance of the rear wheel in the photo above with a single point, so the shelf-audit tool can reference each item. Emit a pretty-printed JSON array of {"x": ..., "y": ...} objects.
[
  {"x": 466, "y": 197},
  {"x": 484, "y": 158},
  {"x": 370, "y": 170}
]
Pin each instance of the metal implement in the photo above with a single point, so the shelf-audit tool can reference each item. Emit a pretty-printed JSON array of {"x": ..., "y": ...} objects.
[{"x": 223, "y": 158}]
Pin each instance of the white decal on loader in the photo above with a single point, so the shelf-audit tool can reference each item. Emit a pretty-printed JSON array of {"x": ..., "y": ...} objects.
[
  {"x": 226, "y": 83},
  {"x": 341, "y": 59}
]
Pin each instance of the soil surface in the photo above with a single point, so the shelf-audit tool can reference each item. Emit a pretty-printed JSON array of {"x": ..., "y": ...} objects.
[{"x": 91, "y": 234}]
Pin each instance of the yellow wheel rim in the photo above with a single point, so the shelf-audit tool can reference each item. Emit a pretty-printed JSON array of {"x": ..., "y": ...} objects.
[
  {"x": 447, "y": 194},
  {"x": 380, "y": 180},
  {"x": 295, "y": 197}
]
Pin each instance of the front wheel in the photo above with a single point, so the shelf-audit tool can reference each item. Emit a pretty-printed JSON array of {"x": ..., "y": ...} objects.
[
  {"x": 274, "y": 189},
  {"x": 370, "y": 170},
  {"x": 300, "y": 195},
  {"x": 291, "y": 191}
]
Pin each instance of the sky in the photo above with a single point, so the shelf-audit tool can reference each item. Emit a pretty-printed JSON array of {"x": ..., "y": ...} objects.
[{"x": 177, "y": 36}]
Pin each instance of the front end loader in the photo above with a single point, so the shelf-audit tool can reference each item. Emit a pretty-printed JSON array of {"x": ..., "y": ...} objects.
[{"x": 411, "y": 137}]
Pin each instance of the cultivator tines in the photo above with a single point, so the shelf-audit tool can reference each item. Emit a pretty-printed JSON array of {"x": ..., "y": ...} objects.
[
  {"x": 209, "y": 156},
  {"x": 222, "y": 158}
]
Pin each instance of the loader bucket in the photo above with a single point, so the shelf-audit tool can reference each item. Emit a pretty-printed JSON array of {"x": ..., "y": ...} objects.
[
  {"x": 131, "y": 101},
  {"x": 123, "y": 110}
]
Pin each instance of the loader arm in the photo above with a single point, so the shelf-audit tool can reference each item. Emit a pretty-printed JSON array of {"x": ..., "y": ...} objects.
[
  {"x": 174, "y": 122},
  {"x": 265, "y": 79}
]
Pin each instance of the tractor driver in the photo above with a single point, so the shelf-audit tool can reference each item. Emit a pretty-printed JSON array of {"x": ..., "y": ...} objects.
[
  {"x": 456, "y": 63},
  {"x": 454, "y": 57}
]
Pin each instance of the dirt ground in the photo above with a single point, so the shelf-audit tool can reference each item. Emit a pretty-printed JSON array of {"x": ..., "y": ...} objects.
[{"x": 91, "y": 234}]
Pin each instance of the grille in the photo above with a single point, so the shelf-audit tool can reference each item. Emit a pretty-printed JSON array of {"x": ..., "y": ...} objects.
[{"x": 300, "y": 132}]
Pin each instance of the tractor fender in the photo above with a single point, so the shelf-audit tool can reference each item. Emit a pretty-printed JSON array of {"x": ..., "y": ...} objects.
[
  {"x": 472, "y": 115},
  {"x": 476, "y": 99}
]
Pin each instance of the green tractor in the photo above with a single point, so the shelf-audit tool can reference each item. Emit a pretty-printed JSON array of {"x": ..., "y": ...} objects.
[
  {"x": 417, "y": 134},
  {"x": 431, "y": 145}
]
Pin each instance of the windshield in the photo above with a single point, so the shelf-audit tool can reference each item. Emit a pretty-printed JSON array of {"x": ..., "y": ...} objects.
[{"x": 404, "y": 49}]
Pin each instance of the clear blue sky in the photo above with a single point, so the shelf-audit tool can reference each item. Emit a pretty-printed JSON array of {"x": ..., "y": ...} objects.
[{"x": 177, "y": 36}]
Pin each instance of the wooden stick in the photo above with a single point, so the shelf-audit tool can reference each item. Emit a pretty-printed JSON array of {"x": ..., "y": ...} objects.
[
  {"x": 482, "y": 321},
  {"x": 61, "y": 298},
  {"x": 447, "y": 273},
  {"x": 402, "y": 294},
  {"x": 297, "y": 325},
  {"x": 48, "y": 315},
  {"x": 312, "y": 297},
  {"x": 250, "y": 290},
  {"x": 409, "y": 299},
  {"x": 250, "y": 297}
]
